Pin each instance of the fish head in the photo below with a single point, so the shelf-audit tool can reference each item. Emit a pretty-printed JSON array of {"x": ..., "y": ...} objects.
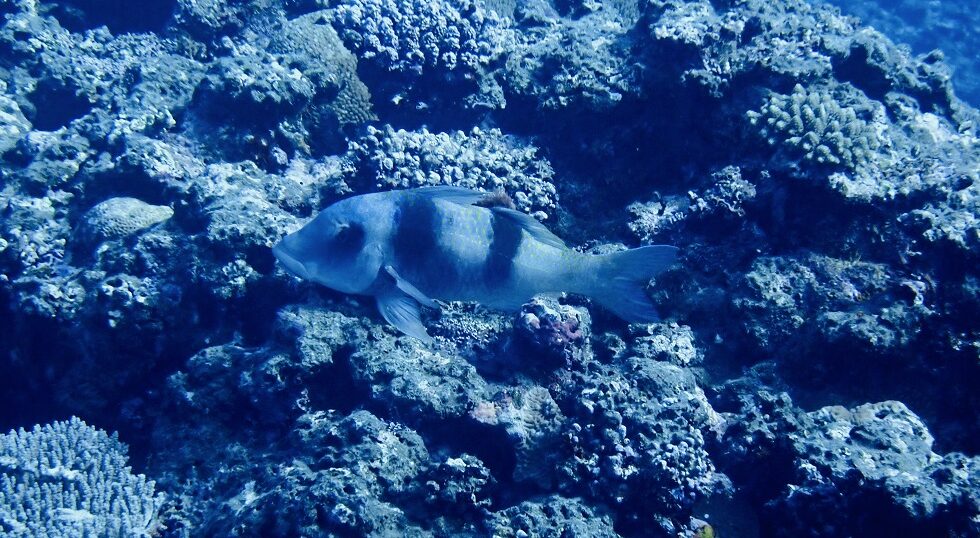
[{"x": 336, "y": 249}]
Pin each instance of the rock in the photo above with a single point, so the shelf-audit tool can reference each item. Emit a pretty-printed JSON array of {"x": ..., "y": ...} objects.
[{"x": 117, "y": 218}]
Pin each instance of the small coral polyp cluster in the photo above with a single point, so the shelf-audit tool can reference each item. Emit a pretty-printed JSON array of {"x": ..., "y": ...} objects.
[{"x": 813, "y": 124}]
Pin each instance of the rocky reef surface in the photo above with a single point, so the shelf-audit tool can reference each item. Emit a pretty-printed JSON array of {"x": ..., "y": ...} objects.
[
  {"x": 815, "y": 372},
  {"x": 950, "y": 27}
]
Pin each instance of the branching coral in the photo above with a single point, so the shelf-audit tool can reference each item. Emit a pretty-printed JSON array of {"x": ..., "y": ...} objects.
[
  {"x": 70, "y": 479},
  {"x": 814, "y": 124},
  {"x": 411, "y": 37}
]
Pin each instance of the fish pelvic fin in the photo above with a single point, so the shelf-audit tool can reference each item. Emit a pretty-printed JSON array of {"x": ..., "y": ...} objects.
[
  {"x": 403, "y": 312},
  {"x": 621, "y": 279}
]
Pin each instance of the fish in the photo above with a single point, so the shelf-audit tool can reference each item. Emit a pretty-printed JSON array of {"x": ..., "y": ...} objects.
[{"x": 414, "y": 248}]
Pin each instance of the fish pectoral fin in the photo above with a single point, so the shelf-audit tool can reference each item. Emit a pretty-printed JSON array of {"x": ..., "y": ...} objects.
[
  {"x": 403, "y": 313},
  {"x": 409, "y": 289},
  {"x": 530, "y": 225}
]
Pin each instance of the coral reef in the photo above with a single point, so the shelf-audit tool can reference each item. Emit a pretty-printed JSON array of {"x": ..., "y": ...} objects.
[
  {"x": 481, "y": 159},
  {"x": 294, "y": 96},
  {"x": 545, "y": 517},
  {"x": 15, "y": 125},
  {"x": 637, "y": 440},
  {"x": 926, "y": 27},
  {"x": 814, "y": 371},
  {"x": 848, "y": 310},
  {"x": 876, "y": 456},
  {"x": 555, "y": 331},
  {"x": 889, "y": 449},
  {"x": 412, "y": 37},
  {"x": 313, "y": 47},
  {"x": 403, "y": 377},
  {"x": 561, "y": 65},
  {"x": 407, "y": 47},
  {"x": 727, "y": 196}
]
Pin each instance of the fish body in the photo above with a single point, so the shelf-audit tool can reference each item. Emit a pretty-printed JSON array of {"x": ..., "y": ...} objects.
[{"x": 410, "y": 248}]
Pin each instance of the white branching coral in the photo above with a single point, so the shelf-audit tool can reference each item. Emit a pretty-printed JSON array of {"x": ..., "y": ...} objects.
[
  {"x": 70, "y": 479},
  {"x": 406, "y": 36}
]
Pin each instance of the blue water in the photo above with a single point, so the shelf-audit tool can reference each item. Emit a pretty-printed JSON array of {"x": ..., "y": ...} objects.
[{"x": 951, "y": 27}]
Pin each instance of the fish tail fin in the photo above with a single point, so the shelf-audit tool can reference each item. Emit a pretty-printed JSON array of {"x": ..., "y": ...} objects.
[{"x": 620, "y": 279}]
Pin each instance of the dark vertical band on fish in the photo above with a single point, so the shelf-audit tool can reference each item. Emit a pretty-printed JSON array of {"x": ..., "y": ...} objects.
[
  {"x": 506, "y": 242},
  {"x": 418, "y": 223}
]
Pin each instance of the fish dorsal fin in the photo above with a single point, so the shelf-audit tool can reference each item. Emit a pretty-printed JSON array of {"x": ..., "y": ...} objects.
[
  {"x": 530, "y": 225},
  {"x": 402, "y": 311},
  {"x": 456, "y": 195},
  {"x": 409, "y": 289},
  {"x": 465, "y": 196}
]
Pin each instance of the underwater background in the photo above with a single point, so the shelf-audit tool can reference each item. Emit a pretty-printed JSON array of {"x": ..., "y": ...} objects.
[{"x": 816, "y": 372}]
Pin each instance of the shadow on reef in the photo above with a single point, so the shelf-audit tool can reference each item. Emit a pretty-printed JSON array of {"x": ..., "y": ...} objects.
[{"x": 118, "y": 16}]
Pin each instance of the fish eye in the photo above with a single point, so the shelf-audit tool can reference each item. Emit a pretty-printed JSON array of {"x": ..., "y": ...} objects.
[{"x": 349, "y": 238}]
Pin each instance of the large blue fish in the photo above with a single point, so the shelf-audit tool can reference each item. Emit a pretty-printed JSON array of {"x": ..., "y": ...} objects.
[{"x": 409, "y": 248}]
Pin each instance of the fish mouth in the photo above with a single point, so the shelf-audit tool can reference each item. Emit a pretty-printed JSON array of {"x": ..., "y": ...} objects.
[{"x": 292, "y": 265}]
